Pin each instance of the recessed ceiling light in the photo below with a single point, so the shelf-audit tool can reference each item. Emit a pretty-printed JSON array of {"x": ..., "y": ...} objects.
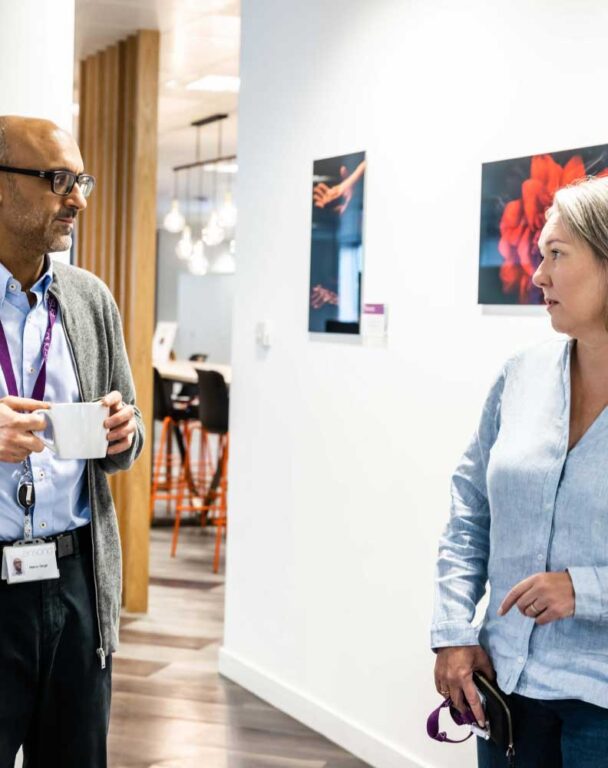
[{"x": 218, "y": 83}]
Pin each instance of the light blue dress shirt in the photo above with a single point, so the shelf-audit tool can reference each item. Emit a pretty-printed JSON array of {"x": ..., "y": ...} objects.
[
  {"x": 62, "y": 501},
  {"x": 522, "y": 504}
]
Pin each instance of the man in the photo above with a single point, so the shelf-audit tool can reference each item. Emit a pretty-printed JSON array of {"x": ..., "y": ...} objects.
[{"x": 56, "y": 634}]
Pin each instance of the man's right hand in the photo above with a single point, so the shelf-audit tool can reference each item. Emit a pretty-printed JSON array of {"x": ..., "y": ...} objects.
[
  {"x": 16, "y": 426},
  {"x": 454, "y": 669}
]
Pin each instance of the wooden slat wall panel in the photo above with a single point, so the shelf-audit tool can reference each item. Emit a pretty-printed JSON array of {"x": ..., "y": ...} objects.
[
  {"x": 118, "y": 116},
  {"x": 123, "y": 182},
  {"x": 142, "y": 288},
  {"x": 120, "y": 483}
]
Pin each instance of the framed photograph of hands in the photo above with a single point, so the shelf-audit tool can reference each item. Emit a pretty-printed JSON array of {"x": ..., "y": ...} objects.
[
  {"x": 336, "y": 250},
  {"x": 514, "y": 197}
]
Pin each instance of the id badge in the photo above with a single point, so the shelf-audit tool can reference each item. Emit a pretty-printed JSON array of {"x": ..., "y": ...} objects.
[{"x": 30, "y": 562}]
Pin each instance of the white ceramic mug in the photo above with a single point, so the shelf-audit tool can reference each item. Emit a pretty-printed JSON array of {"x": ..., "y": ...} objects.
[{"x": 78, "y": 430}]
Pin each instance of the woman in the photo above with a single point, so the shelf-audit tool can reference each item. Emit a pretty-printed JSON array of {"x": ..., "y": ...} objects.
[{"x": 530, "y": 516}]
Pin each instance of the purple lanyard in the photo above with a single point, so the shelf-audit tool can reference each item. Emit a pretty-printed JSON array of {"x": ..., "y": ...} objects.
[
  {"x": 432, "y": 724},
  {"x": 7, "y": 365}
]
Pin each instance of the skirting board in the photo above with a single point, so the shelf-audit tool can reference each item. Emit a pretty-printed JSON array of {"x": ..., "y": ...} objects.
[{"x": 316, "y": 715}]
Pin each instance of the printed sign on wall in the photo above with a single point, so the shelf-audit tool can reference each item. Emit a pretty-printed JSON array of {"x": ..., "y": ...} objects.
[
  {"x": 515, "y": 195},
  {"x": 336, "y": 252}
]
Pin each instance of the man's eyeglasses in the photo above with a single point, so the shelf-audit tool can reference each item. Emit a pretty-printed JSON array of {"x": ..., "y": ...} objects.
[{"x": 62, "y": 182}]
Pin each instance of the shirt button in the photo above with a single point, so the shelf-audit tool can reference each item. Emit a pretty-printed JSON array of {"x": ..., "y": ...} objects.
[
  {"x": 43, "y": 525},
  {"x": 12, "y": 287},
  {"x": 520, "y": 659},
  {"x": 540, "y": 556},
  {"x": 41, "y": 475},
  {"x": 31, "y": 369}
]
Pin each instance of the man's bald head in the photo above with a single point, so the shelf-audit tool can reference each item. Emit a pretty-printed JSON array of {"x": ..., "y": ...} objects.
[
  {"x": 32, "y": 217},
  {"x": 25, "y": 137}
]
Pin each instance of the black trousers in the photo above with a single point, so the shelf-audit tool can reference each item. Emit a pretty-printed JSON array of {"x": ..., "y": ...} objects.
[
  {"x": 54, "y": 696},
  {"x": 562, "y": 733}
]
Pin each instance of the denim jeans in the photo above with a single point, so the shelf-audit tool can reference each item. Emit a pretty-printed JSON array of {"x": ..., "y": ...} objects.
[{"x": 565, "y": 733}]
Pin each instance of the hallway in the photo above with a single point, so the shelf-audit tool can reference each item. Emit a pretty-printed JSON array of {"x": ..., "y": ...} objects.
[{"x": 170, "y": 707}]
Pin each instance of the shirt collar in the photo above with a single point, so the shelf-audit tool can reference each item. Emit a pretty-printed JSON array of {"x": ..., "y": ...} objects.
[{"x": 40, "y": 287}]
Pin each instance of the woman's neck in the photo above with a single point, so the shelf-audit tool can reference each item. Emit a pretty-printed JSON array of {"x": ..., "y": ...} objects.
[{"x": 590, "y": 361}]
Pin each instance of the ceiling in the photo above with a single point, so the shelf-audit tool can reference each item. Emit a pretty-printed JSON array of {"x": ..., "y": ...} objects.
[{"x": 198, "y": 38}]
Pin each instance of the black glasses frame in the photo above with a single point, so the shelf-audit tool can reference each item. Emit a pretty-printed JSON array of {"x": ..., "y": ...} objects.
[{"x": 82, "y": 179}]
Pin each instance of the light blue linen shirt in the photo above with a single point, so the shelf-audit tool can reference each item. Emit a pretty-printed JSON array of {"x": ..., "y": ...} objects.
[
  {"x": 61, "y": 489},
  {"x": 522, "y": 504}
]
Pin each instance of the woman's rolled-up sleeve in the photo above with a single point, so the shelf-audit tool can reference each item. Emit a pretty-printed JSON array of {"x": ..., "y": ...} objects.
[
  {"x": 590, "y": 592},
  {"x": 462, "y": 564}
]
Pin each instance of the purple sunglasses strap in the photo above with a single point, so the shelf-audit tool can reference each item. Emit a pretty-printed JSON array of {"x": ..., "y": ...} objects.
[{"x": 432, "y": 723}]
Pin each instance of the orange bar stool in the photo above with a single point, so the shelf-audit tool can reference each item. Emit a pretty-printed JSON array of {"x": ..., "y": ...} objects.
[
  {"x": 213, "y": 417},
  {"x": 168, "y": 466}
]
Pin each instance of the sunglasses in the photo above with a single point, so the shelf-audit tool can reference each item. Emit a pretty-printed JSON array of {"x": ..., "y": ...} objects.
[{"x": 62, "y": 182}]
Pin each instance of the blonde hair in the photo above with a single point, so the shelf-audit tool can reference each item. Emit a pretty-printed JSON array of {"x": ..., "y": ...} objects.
[{"x": 583, "y": 209}]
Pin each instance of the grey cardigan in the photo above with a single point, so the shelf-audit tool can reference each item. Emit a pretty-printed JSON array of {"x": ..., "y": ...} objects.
[{"x": 94, "y": 332}]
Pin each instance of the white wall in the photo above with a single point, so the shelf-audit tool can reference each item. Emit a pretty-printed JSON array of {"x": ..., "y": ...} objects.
[
  {"x": 202, "y": 306},
  {"x": 168, "y": 270},
  {"x": 341, "y": 455},
  {"x": 37, "y": 63},
  {"x": 205, "y": 306},
  {"x": 37, "y": 59}
]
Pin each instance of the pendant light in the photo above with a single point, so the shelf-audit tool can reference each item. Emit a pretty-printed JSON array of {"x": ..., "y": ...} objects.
[
  {"x": 214, "y": 234},
  {"x": 227, "y": 213},
  {"x": 183, "y": 249},
  {"x": 174, "y": 221},
  {"x": 220, "y": 219},
  {"x": 198, "y": 262}
]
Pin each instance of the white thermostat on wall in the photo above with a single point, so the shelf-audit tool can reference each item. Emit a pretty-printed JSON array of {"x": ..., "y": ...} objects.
[{"x": 262, "y": 335}]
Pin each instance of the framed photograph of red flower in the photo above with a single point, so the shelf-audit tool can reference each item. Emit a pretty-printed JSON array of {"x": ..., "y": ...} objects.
[
  {"x": 336, "y": 249},
  {"x": 514, "y": 197}
]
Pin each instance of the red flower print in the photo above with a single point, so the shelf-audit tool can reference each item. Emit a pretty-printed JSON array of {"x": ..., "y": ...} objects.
[{"x": 523, "y": 219}]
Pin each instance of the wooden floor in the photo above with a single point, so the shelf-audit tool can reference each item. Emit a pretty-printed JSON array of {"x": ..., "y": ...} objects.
[{"x": 170, "y": 708}]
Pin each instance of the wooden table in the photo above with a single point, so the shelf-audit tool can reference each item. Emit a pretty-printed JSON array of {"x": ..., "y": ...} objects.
[{"x": 185, "y": 370}]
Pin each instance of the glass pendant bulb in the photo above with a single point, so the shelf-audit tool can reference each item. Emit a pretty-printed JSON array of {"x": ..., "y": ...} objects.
[
  {"x": 174, "y": 221},
  {"x": 227, "y": 214},
  {"x": 198, "y": 263},
  {"x": 213, "y": 233},
  {"x": 183, "y": 249}
]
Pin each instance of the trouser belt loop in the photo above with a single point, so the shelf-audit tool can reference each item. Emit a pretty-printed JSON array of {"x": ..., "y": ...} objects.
[{"x": 67, "y": 544}]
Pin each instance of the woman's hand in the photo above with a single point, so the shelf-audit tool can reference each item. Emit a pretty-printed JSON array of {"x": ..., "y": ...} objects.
[
  {"x": 454, "y": 669},
  {"x": 543, "y": 597}
]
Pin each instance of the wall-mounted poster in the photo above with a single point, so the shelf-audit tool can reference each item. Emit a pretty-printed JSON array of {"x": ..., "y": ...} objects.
[
  {"x": 336, "y": 252},
  {"x": 514, "y": 197}
]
